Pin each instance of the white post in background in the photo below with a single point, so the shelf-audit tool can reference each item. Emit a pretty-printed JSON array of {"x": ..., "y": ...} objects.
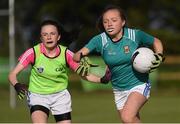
[{"x": 12, "y": 58}]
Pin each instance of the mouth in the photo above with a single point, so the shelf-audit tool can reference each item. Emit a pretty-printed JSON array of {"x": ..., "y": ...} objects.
[
  {"x": 110, "y": 30},
  {"x": 49, "y": 42}
]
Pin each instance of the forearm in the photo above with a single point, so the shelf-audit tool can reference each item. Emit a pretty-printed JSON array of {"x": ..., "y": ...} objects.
[
  {"x": 13, "y": 74},
  {"x": 158, "y": 47},
  {"x": 93, "y": 78},
  {"x": 83, "y": 51},
  {"x": 12, "y": 78}
]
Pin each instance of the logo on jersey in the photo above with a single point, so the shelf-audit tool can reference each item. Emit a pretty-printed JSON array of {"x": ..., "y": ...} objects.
[
  {"x": 126, "y": 49},
  {"x": 59, "y": 69},
  {"x": 40, "y": 69}
]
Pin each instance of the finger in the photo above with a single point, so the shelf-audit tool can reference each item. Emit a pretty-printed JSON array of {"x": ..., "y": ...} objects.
[
  {"x": 83, "y": 72},
  {"x": 22, "y": 92},
  {"x": 21, "y": 96},
  {"x": 86, "y": 71},
  {"x": 154, "y": 66},
  {"x": 93, "y": 65},
  {"x": 79, "y": 69},
  {"x": 155, "y": 62}
]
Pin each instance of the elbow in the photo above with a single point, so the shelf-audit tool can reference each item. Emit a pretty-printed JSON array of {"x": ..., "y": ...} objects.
[{"x": 11, "y": 77}]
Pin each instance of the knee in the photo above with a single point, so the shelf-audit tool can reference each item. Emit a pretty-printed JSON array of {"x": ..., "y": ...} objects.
[{"x": 126, "y": 117}]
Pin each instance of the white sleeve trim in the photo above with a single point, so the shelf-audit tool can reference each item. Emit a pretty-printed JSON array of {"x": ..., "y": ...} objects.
[{"x": 104, "y": 41}]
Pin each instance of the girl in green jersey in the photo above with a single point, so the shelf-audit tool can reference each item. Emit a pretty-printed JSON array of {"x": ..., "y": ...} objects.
[{"x": 116, "y": 44}]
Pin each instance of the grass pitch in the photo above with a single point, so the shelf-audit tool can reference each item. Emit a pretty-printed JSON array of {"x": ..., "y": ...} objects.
[{"x": 99, "y": 107}]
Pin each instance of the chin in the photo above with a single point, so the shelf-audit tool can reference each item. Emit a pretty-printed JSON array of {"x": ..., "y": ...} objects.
[
  {"x": 111, "y": 33},
  {"x": 50, "y": 46}
]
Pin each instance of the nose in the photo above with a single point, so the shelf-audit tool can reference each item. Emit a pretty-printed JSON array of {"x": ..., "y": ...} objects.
[
  {"x": 109, "y": 23},
  {"x": 49, "y": 36}
]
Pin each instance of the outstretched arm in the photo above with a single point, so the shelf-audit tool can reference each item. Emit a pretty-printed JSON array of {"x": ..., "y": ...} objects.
[
  {"x": 77, "y": 56},
  {"x": 13, "y": 74},
  {"x": 97, "y": 79},
  {"x": 21, "y": 89},
  {"x": 93, "y": 78}
]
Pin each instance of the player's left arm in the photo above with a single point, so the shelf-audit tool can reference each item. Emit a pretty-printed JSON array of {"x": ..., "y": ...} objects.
[
  {"x": 158, "y": 49},
  {"x": 148, "y": 40},
  {"x": 157, "y": 45},
  {"x": 90, "y": 77}
]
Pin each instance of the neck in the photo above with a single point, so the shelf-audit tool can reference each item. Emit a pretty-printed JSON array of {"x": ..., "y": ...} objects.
[
  {"x": 117, "y": 36},
  {"x": 51, "y": 52}
]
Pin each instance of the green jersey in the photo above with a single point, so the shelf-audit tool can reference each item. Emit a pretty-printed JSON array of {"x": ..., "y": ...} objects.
[
  {"x": 48, "y": 75},
  {"x": 117, "y": 55}
]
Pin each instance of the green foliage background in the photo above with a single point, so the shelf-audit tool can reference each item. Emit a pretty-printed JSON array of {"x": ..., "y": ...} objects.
[{"x": 157, "y": 17}]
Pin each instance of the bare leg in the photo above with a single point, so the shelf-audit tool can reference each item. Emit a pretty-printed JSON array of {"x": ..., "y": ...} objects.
[
  {"x": 130, "y": 111},
  {"x": 39, "y": 117}
]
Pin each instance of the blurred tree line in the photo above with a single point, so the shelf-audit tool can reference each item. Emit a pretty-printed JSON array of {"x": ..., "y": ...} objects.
[{"x": 78, "y": 18}]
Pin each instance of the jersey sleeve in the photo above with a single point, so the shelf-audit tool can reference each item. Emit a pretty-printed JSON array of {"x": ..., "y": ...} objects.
[
  {"x": 27, "y": 57},
  {"x": 69, "y": 58},
  {"x": 95, "y": 44},
  {"x": 144, "y": 39}
]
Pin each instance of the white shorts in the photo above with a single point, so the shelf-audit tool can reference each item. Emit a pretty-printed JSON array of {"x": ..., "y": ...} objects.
[
  {"x": 121, "y": 96},
  {"x": 57, "y": 103}
]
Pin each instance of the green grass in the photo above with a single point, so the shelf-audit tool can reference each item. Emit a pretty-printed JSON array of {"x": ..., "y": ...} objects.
[
  {"x": 99, "y": 107},
  {"x": 169, "y": 68}
]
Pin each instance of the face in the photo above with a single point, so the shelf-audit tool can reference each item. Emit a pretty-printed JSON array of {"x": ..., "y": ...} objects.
[
  {"x": 113, "y": 22},
  {"x": 49, "y": 36}
]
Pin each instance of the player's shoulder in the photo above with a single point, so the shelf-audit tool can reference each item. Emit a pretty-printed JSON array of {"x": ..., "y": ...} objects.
[
  {"x": 29, "y": 50},
  {"x": 129, "y": 30}
]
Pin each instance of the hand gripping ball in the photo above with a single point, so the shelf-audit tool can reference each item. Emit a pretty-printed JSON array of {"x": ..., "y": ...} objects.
[{"x": 142, "y": 59}]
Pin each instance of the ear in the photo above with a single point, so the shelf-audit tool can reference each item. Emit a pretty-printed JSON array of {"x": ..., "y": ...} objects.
[
  {"x": 59, "y": 37},
  {"x": 123, "y": 23}
]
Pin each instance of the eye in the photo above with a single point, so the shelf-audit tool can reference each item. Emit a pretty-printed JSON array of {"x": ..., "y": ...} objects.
[
  {"x": 44, "y": 34},
  {"x": 114, "y": 20},
  {"x": 105, "y": 22},
  {"x": 52, "y": 33}
]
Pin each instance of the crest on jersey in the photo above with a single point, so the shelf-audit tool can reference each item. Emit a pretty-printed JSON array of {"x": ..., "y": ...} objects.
[
  {"x": 40, "y": 69},
  {"x": 126, "y": 49}
]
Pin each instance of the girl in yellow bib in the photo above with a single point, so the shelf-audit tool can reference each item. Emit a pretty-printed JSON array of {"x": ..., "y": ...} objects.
[{"x": 49, "y": 76}]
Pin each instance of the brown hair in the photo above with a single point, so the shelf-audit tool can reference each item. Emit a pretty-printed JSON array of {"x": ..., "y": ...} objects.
[
  {"x": 51, "y": 22},
  {"x": 107, "y": 8}
]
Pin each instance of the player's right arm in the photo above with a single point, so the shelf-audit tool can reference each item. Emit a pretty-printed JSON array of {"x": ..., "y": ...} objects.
[
  {"x": 77, "y": 56},
  {"x": 20, "y": 88},
  {"x": 13, "y": 74},
  {"x": 24, "y": 61},
  {"x": 93, "y": 45}
]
